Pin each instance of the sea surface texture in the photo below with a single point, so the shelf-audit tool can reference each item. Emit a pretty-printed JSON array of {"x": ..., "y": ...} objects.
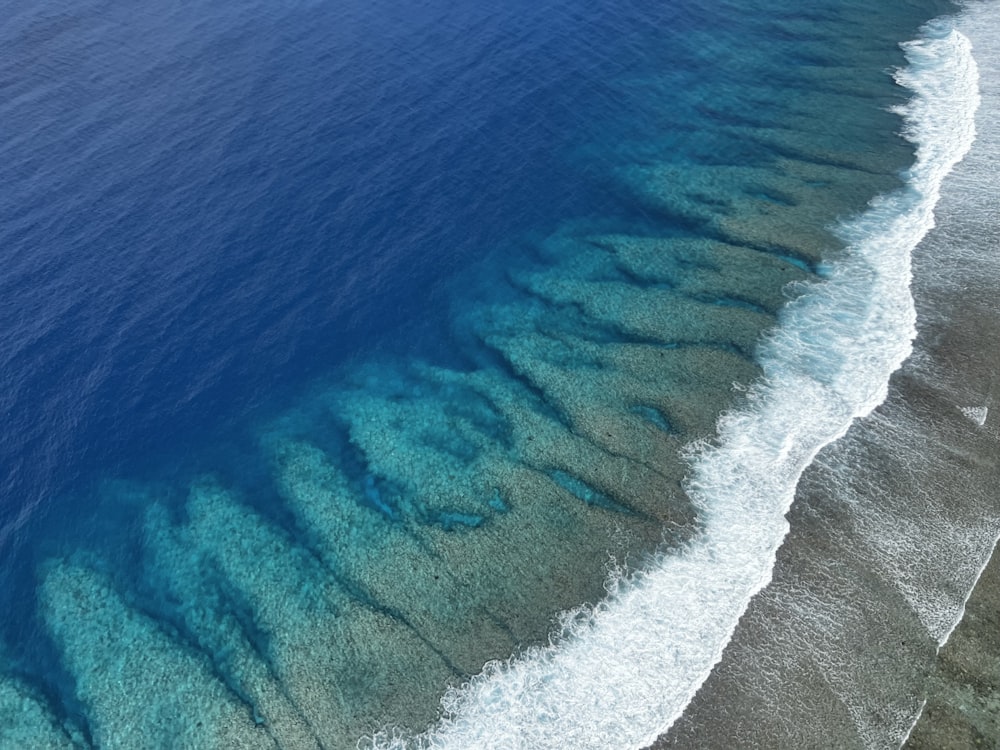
[
  {"x": 441, "y": 374},
  {"x": 894, "y": 521}
]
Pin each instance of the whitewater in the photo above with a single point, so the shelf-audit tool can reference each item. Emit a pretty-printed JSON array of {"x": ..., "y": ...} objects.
[{"x": 619, "y": 673}]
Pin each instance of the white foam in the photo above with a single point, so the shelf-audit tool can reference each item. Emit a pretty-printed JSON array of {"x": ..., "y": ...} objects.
[
  {"x": 624, "y": 671},
  {"x": 980, "y": 20},
  {"x": 906, "y": 737},
  {"x": 976, "y": 414},
  {"x": 984, "y": 563}
]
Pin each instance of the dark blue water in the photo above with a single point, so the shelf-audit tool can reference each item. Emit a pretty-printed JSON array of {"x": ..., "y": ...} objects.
[
  {"x": 232, "y": 231},
  {"x": 206, "y": 205}
]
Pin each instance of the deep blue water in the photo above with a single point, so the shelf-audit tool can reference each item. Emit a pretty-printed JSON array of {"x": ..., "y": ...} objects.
[
  {"x": 221, "y": 217},
  {"x": 206, "y": 205},
  {"x": 202, "y": 203}
]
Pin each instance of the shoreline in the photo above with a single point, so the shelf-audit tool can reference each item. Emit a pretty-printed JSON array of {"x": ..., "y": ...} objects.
[
  {"x": 887, "y": 524},
  {"x": 422, "y": 416},
  {"x": 963, "y": 691}
]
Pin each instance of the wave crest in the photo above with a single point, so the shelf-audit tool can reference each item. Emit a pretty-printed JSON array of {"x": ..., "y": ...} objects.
[{"x": 623, "y": 671}]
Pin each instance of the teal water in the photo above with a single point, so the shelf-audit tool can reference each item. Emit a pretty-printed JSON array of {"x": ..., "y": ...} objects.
[
  {"x": 893, "y": 523},
  {"x": 326, "y": 561}
]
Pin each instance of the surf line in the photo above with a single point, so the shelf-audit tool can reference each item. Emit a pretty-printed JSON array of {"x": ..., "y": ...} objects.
[{"x": 624, "y": 670}]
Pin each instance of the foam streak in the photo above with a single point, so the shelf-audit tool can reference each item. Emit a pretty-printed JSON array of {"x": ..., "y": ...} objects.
[{"x": 624, "y": 672}]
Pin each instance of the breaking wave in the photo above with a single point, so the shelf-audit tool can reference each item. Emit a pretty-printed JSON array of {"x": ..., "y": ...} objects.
[{"x": 624, "y": 670}]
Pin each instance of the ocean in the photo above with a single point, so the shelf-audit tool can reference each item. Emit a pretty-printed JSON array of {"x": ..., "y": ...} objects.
[{"x": 442, "y": 375}]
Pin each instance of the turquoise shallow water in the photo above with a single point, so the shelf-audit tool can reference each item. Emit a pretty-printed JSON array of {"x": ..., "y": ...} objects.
[
  {"x": 892, "y": 523},
  {"x": 567, "y": 278}
]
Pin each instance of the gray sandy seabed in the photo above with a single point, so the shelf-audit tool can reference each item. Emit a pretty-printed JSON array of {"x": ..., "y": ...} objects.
[{"x": 963, "y": 701}]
